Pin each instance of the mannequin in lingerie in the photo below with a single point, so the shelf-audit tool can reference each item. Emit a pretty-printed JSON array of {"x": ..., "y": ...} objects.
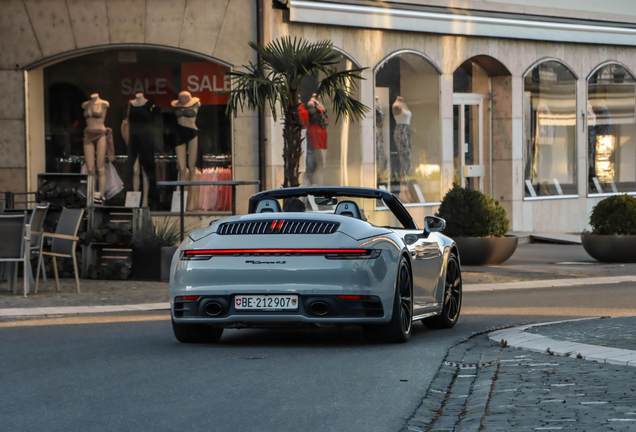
[
  {"x": 186, "y": 108},
  {"x": 140, "y": 145},
  {"x": 98, "y": 140},
  {"x": 317, "y": 140},
  {"x": 402, "y": 138}
]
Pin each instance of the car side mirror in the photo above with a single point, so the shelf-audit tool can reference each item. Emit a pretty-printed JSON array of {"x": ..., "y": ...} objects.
[{"x": 433, "y": 224}]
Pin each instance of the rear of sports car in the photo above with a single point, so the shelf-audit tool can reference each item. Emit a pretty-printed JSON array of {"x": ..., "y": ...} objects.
[{"x": 272, "y": 269}]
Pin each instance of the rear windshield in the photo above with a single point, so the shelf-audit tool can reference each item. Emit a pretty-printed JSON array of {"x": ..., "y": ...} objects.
[{"x": 368, "y": 209}]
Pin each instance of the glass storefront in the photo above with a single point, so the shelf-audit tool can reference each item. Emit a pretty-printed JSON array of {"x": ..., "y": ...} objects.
[
  {"x": 167, "y": 121},
  {"x": 331, "y": 151},
  {"x": 549, "y": 109},
  {"x": 611, "y": 131},
  {"x": 408, "y": 145}
]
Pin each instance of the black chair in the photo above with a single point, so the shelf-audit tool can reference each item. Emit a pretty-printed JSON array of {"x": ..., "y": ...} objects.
[
  {"x": 63, "y": 244},
  {"x": 37, "y": 227},
  {"x": 15, "y": 235}
]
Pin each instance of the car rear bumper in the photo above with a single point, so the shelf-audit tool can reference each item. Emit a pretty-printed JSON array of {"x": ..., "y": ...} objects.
[{"x": 312, "y": 309}]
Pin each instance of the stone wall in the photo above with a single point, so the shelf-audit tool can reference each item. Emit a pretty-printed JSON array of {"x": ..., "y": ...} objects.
[
  {"x": 34, "y": 32},
  {"x": 369, "y": 47}
]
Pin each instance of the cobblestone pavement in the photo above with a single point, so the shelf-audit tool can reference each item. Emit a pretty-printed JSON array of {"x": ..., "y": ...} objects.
[
  {"x": 483, "y": 386},
  {"x": 613, "y": 333}
]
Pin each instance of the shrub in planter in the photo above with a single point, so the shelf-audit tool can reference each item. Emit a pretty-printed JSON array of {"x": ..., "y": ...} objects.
[
  {"x": 478, "y": 224},
  {"x": 471, "y": 213},
  {"x": 152, "y": 245},
  {"x": 615, "y": 215},
  {"x": 613, "y": 236}
]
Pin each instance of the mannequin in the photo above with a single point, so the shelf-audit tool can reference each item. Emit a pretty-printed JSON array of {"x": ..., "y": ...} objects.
[
  {"x": 317, "y": 140},
  {"x": 98, "y": 140},
  {"x": 402, "y": 138},
  {"x": 380, "y": 155},
  {"x": 141, "y": 145},
  {"x": 186, "y": 108},
  {"x": 302, "y": 163}
]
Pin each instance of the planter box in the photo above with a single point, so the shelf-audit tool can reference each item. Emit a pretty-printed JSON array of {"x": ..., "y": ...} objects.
[
  {"x": 166, "y": 260},
  {"x": 610, "y": 248},
  {"x": 146, "y": 263},
  {"x": 485, "y": 250}
]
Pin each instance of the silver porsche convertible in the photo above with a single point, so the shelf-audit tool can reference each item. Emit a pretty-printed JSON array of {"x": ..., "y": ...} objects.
[{"x": 316, "y": 256}]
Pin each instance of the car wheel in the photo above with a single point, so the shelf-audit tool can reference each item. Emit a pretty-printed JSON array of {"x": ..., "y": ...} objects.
[
  {"x": 196, "y": 333},
  {"x": 398, "y": 330},
  {"x": 452, "y": 297}
]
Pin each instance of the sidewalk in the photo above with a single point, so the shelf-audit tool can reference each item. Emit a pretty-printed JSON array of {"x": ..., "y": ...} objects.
[
  {"x": 534, "y": 265},
  {"x": 542, "y": 377}
]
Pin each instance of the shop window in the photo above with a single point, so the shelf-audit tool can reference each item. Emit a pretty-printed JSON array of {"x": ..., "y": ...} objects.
[
  {"x": 407, "y": 128},
  {"x": 611, "y": 131},
  {"x": 169, "y": 134},
  {"x": 549, "y": 130},
  {"x": 331, "y": 151}
]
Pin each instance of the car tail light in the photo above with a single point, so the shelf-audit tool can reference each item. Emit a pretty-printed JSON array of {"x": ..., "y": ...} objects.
[
  {"x": 205, "y": 254},
  {"x": 184, "y": 298},
  {"x": 358, "y": 297}
]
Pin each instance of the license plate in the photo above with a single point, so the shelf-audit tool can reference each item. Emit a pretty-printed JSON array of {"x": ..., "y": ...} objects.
[{"x": 266, "y": 302}]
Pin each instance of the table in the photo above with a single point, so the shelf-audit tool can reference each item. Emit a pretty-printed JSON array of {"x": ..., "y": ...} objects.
[{"x": 183, "y": 184}]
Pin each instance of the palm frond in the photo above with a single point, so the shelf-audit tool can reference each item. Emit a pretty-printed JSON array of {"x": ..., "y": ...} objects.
[
  {"x": 296, "y": 58},
  {"x": 339, "y": 86},
  {"x": 253, "y": 89}
]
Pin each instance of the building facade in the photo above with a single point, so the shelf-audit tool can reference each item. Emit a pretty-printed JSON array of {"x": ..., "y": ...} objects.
[{"x": 532, "y": 104}]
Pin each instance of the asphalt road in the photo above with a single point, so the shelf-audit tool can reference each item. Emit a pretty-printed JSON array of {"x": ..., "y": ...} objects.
[{"x": 128, "y": 373}]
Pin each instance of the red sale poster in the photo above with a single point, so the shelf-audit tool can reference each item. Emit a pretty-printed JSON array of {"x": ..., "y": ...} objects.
[
  {"x": 205, "y": 81},
  {"x": 155, "y": 82}
]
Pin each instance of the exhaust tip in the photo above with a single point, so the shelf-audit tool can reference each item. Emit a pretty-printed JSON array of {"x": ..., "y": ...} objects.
[
  {"x": 319, "y": 308},
  {"x": 213, "y": 309}
]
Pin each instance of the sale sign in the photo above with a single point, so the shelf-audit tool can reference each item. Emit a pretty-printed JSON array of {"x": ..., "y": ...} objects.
[
  {"x": 205, "y": 81},
  {"x": 155, "y": 82}
]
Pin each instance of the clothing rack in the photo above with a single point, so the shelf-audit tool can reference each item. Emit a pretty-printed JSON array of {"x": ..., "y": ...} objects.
[{"x": 207, "y": 159}]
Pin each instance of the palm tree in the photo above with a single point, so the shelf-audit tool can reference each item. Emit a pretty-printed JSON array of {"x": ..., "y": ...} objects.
[{"x": 275, "y": 80}]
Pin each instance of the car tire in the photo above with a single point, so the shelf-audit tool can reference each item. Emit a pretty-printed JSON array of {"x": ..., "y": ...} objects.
[
  {"x": 398, "y": 330},
  {"x": 452, "y": 301},
  {"x": 196, "y": 333}
]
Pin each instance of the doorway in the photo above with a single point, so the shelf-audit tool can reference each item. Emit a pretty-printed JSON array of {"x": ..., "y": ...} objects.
[{"x": 472, "y": 152}]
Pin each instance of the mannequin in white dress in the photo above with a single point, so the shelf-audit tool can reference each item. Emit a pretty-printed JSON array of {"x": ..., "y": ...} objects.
[{"x": 402, "y": 138}]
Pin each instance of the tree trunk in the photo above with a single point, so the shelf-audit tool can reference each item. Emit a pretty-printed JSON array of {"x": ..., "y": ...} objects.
[{"x": 292, "y": 137}]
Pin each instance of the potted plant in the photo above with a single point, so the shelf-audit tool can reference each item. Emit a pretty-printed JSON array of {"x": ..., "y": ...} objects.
[
  {"x": 478, "y": 225},
  {"x": 153, "y": 245},
  {"x": 613, "y": 236}
]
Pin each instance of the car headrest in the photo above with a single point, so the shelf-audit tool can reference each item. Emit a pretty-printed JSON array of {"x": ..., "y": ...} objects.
[
  {"x": 348, "y": 208},
  {"x": 268, "y": 205}
]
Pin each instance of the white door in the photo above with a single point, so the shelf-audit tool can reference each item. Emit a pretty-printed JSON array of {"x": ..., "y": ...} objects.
[{"x": 472, "y": 146}]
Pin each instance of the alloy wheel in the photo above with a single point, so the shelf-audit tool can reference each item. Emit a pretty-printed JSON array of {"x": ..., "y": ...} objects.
[{"x": 452, "y": 291}]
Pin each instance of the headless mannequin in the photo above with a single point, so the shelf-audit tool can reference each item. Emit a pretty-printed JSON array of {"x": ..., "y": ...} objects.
[
  {"x": 186, "y": 149},
  {"x": 402, "y": 138},
  {"x": 95, "y": 152},
  {"x": 140, "y": 100},
  {"x": 317, "y": 139},
  {"x": 186, "y": 108}
]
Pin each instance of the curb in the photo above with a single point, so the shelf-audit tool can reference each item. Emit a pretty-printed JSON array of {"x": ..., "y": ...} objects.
[
  {"x": 549, "y": 283},
  {"x": 74, "y": 310},
  {"x": 517, "y": 337}
]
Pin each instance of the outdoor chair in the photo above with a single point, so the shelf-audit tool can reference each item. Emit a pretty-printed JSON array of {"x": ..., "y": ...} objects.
[
  {"x": 63, "y": 244},
  {"x": 15, "y": 235},
  {"x": 37, "y": 224}
]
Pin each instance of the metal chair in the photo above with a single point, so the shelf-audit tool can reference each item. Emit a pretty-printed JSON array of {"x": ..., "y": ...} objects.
[
  {"x": 63, "y": 244},
  {"x": 37, "y": 223},
  {"x": 16, "y": 236}
]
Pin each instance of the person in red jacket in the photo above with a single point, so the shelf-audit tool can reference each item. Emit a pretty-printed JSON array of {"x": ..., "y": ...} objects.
[{"x": 317, "y": 140}]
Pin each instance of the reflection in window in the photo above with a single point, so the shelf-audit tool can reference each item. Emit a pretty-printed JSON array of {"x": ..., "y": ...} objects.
[
  {"x": 610, "y": 131},
  {"x": 550, "y": 128},
  {"x": 166, "y": 135},
  {"x": 331, "y": 152},
  {"x": 407, "y": 128}
]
